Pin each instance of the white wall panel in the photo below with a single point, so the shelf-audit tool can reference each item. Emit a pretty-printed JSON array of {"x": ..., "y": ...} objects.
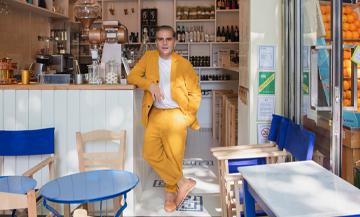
[
  {"x": 9, "y": 124},
  {"x": 73, "y": 126},
  {"x": 22, "y": 123},
  {"x": 35, "y": 123}
]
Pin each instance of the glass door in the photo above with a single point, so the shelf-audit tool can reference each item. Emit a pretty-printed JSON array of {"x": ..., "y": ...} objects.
[{"x": 318, "y": 81}]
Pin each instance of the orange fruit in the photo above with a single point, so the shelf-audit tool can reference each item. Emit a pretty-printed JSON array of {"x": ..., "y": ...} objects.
[
  {"x": 355, "y": 15},
  {"x": 346, "y": 85},
  {"x": 345, "y": 73},
  {"x": 328, "y": 34},
  {"x": 324, "y": 18},
  {"x": 328, "y": 17},
  {"x": 322, "y": 9},
  {"x": 358, "y": 105},
  {"x": 348, "y": 34},
  {"x": 347, "y": 63},
  {"x": 344, "y": 19},
  {"x": 352, "y": 27},
  {"x": 349, "y": 74},
  {"x": 358, "y": 30},
  {"x": 358, "y": 93},
  {"x": 358, "y": 110},
  {"x": 344, "y": 34},
  {"x": 348, "y": 10},
  {"x": 348, "y": 94},
  {"x": 346, "y": 55},
  {"x": 347, "y": 102},
  {"x": 357, "y": 23},
  {"x": 327, "y": 26},
  {"x": 350, "y": 18},
  {"x": 346, "y": 26},
  {"x": 343, "y": 10},
  {"x": 355, "y": 35},
  {"x": 328, "y": 9},
  {"x": 358, "y": 87}
]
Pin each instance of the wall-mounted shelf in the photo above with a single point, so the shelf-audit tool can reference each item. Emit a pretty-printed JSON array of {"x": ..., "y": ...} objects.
[
  {"x": 22, "y": 5},
  {"x": 229, "y": 10},
  {"x": 198, "y": 20}
]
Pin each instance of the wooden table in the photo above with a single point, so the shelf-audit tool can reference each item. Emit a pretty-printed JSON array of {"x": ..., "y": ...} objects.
[{"x": 298, "y": 189}]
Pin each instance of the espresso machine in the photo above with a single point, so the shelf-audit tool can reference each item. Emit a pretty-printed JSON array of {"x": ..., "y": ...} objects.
[
  {"x": 41, "y": 64},
  {"x": 62, "y": 63}
]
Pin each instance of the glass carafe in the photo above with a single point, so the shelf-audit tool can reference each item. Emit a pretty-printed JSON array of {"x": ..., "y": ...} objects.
[
  {"x": 112, "y": 72},
  {"x": 94, "y": 73}
]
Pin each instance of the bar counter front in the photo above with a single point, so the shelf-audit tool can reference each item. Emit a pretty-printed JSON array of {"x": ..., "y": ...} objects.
[{"x": 70, "y": 109}]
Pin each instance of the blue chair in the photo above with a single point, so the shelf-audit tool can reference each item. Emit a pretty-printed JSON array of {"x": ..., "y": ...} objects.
[
  {"x": 228, "y": 167},
  {"x": 25, "y": 143}
]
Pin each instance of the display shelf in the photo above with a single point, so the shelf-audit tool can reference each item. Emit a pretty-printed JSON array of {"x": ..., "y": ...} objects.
[
  {"x": 346, "y": 40},
  {"x": 218, "y": 81},
  {"x": 228, "y": 10},
  {"x": 23, "y": 5},
  {"x": 198, "y": 20},
  {"x": 235, "y": 69}
]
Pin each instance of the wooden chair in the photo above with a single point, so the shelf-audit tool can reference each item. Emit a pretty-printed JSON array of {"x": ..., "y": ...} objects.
[
  {"x": 216, "y": 110},
  {"x": 89, "y": 161},
  {"x": 9, "y": 201},
  {"x": 29, "y": 143},
  {"x": 222, "y": 116},
  {"x": 228, "y": 170}
]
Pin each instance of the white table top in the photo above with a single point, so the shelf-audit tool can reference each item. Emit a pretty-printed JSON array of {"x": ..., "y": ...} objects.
[{"x": 302, "y": 189}]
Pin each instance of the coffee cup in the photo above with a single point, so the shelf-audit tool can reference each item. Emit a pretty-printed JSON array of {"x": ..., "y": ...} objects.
[{"x": 79, "y": 79}]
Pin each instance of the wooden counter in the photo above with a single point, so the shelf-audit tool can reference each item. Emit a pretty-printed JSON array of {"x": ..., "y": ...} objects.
[{"x": 35, "y": 86}]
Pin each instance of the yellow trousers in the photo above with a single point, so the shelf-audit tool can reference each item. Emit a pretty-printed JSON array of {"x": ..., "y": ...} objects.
[{"x": 164, "y": 144}]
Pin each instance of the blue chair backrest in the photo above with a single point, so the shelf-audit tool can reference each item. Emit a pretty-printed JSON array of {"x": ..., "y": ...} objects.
[
  {"x": 280, "y": 140},
  {"x": 275, "y": 127},
  {"x": 27, "y": 142},
  {"x": 299, "y": 142}
]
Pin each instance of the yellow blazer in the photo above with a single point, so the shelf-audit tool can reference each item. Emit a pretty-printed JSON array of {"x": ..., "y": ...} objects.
[{"x": 183, "y": 84}]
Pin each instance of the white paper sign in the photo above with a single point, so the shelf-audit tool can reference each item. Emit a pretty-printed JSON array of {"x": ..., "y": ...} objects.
[
  {"x": 263, "y": 130},
  {"x": 266, "y": 56},
  {"x": 306, "y": 56},
  {"x": 306, "y": 106},
  {"x": 356, "y": 55},
  {"x": 265, "y": 108}
]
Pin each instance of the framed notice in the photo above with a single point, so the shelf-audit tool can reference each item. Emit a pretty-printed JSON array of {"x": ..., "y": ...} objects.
[
  {"x": 306, "y": 56},
  {"x": 263, "y": 130},
  {"x": 356, "y": 55},
  {"x": 306, "y": 83},
  {"x": 266, "y": 82},
  {"x": 265, "y": 108},
  {"x": 266, "y": 56}
]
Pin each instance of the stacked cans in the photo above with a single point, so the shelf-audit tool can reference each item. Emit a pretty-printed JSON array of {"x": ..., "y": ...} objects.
[{"x": 149, "y": 21}]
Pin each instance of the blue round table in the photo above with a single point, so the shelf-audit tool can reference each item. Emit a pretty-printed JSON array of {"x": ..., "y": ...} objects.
[{"x": 88, "y": 187}]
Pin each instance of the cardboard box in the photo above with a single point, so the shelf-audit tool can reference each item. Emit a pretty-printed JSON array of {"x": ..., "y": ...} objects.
[
  {"x": 215, "y": 53},
  {"x": 221, "y": 53},
  {"x": 234, "y": 58}
]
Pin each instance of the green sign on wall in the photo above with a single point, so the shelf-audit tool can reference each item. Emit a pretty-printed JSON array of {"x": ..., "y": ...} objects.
[
  {"x": 266, "y": 82},
  {"x": 306, "y": 83}
]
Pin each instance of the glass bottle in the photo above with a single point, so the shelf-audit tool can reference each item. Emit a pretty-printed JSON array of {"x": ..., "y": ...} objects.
[
  {"x": 223, "y": 35},
  {"x": 202, "y": 34},
  {"x": 183, "y": 34},
  {"x": 195, "y": 34},
  {"x": 228, "y": 36},
  {"x": 207, "y": 37},
  {"x": 198, "y": 34},
  {"x": 218, "y": 35},
  {"x": 236, "y": 34},
  {"x": 232, "y": 34},
  {"x": 178, "y": 34},
  {"x": 191, "y": 35},
  {"x": 187, "y": 34},
  {"x": 212, "y": 36}
]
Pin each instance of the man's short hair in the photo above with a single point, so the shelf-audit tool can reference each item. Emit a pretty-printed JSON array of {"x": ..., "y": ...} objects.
[{"x": 167, "y": 28}]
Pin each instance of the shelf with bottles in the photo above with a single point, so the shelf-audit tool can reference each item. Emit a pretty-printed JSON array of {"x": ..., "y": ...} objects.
[
  {"x": 226, "y": 10},
  {"x": 227, "y": 5},
  {"x": 194, "y": 13},
  {"x": 229, "y": 36},
  {"x": 200, "y": 20},
  {"x": 195, "y": 35}
]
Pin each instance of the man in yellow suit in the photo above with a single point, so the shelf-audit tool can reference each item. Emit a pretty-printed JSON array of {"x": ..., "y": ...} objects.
[{"x": 171, "y": 99}]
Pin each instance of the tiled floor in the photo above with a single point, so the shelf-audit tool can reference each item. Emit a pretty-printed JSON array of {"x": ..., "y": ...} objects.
[{"x": 200, "y": 165}]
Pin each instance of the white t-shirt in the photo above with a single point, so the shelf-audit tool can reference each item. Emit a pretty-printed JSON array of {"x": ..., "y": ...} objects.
[{"x": 165, "y": 72}]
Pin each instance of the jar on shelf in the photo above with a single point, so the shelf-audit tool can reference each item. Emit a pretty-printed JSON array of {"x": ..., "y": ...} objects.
[
  {"x": 179, "y": 12},
  {"x": 193, "y": 13},
  {"x": 185, "y": 15},
  {"x": 212, "y": 12},
  {"x": 111, "y": 72},
  {"x": 198, "y": 10},
  {"x": 94, "y": 73}
]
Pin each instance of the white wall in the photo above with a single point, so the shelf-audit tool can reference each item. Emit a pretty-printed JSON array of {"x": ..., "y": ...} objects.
[
  {"x": 265, "y": 28},
  {"x": 70, "y": 111}
]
